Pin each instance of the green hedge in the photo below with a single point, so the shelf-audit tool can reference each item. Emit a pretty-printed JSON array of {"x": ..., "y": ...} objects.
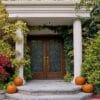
[{"x": 91, "y": 65}]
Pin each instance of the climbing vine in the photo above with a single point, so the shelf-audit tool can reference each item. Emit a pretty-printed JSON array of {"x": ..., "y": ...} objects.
[
  {"x": 3, "y": 15},
  {"x": 9, "y": 30}
]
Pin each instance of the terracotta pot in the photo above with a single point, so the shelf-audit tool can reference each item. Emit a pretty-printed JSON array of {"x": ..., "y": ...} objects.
[
  {"x": 18, "y": 81},
  {"x": 79, "y": 80},
  {"x": 88, "y": 88},
  {"x": 11, "y": 88}
]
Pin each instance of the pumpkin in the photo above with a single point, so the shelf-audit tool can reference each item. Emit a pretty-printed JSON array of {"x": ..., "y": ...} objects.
[
  {"x": 88, "y": 88},
  {"x": 18, "y": 81},
  {"x": 79, "y": 80},
  {"x": 11, "y": 88}
]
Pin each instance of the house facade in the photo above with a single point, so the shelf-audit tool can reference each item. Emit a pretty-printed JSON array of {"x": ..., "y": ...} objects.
[{"x": 46, "y": 47}]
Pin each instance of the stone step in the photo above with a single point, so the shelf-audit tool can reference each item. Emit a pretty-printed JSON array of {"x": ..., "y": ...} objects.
[
  {"x": 78, "y": 96},
  {"x": 2, "y": 96},
  {"x": 50, "y": 91},
  {"x": 49, "y": 87}
]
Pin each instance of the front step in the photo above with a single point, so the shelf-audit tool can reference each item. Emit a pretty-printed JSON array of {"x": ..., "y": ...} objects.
[
  {"x": 79, "y": 96},
  {"x": 69, "y": 89},
  {"x": 49, "y": 90},
  {"x": 49, "y": 87}
]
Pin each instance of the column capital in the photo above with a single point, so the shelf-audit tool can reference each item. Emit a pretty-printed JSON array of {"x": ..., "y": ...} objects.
[{"x": 77, "y": 19}]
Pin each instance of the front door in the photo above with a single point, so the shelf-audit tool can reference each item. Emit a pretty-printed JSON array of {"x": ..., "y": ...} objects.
[{"x": 47, "y": 58}]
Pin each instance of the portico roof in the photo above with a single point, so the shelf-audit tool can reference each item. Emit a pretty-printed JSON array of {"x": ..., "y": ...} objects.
[{"x": 40, "y": 12}]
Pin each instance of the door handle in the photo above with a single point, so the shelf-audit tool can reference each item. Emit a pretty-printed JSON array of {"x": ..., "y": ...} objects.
[{"x": 46, "y": 60}]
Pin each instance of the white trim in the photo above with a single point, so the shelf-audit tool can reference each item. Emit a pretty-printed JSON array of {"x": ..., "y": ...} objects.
[
  {"x": 33, "y": 12},
  {"x": 40, "y": 2},
  {"x": 48, "y": 15}
]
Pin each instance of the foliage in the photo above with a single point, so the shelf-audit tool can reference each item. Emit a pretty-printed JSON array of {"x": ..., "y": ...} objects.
[
  {"x": 68, "y": 77},
  {"x": 9, "y": 30},
  {"x": 91, "y": 64},
  {"x": 95, "y": 77},
  {"x": 3, "y": 15},
  {"x": 27, "y": 67},
  {"x": 4, "y": 61},
  {"x": 6, "y": 69},
  {"x": 8, "y": 34},
  {"x": 67, "y": 35},
  {"x": 92, "y": 25},
  {"x": 91, "y": 44},
  {"x": 6, "y": 49},
  {"x": 4, "y": 46},
  {"x": 17, "y": 63},
  {"x": 89, "y": 3},
  {"x": 23, "y": 26}
]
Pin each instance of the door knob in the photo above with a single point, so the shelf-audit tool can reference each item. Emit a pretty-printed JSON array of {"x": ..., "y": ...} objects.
[{"x": 46, "y": 60}]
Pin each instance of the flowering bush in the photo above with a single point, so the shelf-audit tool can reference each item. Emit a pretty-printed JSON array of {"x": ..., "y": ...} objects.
[
  {"x": 4, "y": 61},
  {"x": 5, "y": 66}
]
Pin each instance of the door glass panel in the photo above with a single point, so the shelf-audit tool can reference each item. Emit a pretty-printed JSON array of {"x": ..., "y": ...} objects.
[
  {"x": 37, "y": 56},
  {"x": 55, "y": 55}
]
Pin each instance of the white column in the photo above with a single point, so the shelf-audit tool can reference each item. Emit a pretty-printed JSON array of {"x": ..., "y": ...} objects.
[
  {"x": 20, "y": 49},
  {"x": 77, "y": 42}
]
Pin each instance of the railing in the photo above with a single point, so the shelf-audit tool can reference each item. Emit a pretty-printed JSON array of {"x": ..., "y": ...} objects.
[{"x": 40, "y": 1}]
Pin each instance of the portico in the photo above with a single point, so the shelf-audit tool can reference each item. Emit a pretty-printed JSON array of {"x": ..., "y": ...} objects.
[{"x": 59, "y": 12}]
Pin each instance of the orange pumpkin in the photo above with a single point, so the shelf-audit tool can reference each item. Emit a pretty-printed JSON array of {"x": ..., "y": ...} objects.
[
  {"x": 88, "y": 88},
  {"x": 79, "y": 80},
  {"x": 11, "y": 88},
  {"x": 18, "y": 81}
]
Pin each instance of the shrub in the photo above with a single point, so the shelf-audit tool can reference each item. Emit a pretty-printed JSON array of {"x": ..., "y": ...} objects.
[
  {"x": 91, "y": 65},
  {"x": 68, "y": 77},
  {"x": 6, "y": 70},
  {"x": 4, "y": 61}
]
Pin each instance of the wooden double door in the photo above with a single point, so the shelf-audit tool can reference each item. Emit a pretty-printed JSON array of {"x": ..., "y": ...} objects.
[{"x": 47, "y": 58}]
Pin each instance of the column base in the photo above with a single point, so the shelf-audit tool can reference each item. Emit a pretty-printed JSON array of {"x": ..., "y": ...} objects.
[
  {"x": 24, "y": 81},
  {"x": 73, "y": 81}
]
